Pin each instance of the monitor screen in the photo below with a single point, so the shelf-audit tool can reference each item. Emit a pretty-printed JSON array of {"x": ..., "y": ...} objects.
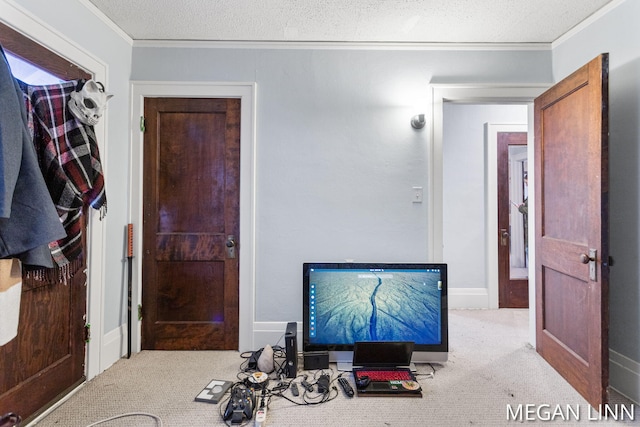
[{"x": 348, "y": 302}]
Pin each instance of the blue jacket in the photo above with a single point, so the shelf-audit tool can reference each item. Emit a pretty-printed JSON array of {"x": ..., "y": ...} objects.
[{"x": 28, "y": 218}]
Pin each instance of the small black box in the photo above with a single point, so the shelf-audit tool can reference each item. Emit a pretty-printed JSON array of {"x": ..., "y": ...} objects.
[
  {"x": 291, "y": 350},
  {"x": 316, "y": 360}
]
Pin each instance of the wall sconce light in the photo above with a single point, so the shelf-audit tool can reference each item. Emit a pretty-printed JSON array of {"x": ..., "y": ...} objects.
[{"x": 418, "y": 121}]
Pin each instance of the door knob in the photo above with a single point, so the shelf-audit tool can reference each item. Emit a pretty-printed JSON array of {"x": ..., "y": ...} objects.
[
  {"x": 586, "y": 259},
  {"x": 231, "y": 246},
  {"x": 504, "y": 237}
]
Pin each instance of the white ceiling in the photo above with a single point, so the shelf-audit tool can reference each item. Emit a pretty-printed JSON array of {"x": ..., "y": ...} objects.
[{"x": 385, "y": 21}]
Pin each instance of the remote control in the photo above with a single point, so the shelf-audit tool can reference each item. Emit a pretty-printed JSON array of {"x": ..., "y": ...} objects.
[
  {"x": 346, "y": 387},
  {"x": 306, "y": 385},
  {"x": 294, "y": 389}
]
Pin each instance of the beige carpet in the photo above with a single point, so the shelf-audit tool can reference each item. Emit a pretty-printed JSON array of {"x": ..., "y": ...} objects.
[{"x": 491, "y": 368}]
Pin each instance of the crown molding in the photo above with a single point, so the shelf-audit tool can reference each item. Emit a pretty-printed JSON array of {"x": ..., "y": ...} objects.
[
  {"x": 587, "y": 22},
  {"x": 321, "y": 45}
]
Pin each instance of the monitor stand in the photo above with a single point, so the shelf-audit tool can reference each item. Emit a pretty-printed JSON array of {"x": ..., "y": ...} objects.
[{"x": 348, "y": 366}]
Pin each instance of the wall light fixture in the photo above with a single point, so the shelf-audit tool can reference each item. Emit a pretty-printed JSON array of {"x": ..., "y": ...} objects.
[{"x": 418, "y": 121}]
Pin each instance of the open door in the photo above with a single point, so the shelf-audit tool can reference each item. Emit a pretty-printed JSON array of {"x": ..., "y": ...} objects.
[
  {"x": 513, "y": 211},
  {"x": 571, "y": 185},
  {"x": 46, "y": 360}
]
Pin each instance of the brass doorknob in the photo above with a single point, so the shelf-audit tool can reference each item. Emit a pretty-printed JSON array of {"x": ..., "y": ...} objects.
[
  {"x": 585, "y": 259},
  {"x": 504, "y": 237}
]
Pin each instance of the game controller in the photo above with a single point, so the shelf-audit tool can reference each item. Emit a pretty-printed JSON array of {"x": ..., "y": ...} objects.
[{"x": 240, "y": 406}]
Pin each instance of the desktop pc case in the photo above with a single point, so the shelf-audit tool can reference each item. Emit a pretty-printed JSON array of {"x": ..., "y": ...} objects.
[{"x": 291, "y": 350}]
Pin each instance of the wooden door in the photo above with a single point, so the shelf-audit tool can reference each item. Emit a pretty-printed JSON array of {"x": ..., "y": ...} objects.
[
  {"x": 191, "y": 224},
  {"x": 571, "y": 163},
  {"x": 513, "y": 277},
  {"x": 46, "y": 359}
]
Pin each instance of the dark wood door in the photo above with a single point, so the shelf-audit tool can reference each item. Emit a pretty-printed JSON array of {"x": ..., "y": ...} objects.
[
  {"x": 46, "y": 359},
  {"x": 191, "y": 224},
  {"x": 571, "y": 162},
  {"x": 513, "y": 280}
]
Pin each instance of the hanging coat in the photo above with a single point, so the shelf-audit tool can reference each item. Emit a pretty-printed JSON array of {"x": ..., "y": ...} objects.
[{"x": 28, "y": 217}]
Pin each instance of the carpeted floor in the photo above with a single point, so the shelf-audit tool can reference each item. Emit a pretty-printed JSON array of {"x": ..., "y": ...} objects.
[{"x": 491, "y": 375}]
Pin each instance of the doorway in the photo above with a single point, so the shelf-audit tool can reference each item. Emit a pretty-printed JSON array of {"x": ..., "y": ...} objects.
[
  {"x": 191, "y": 210},
  {"x": 246, "y": 94},
  {"x": 513, "y": 220},
  {"x": 51, "y": 331},
  {"x": 21, "y": 22},
  {"x": 470, "y": 200},
  {"x": 476, "y": 94}
]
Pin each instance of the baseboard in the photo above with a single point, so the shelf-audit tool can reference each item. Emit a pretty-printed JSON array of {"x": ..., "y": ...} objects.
[
  {"x": 272, "y": 333},
  {"x": 468, "y": 298},
  {"x": 624, "y": 376},
  {"x": 114, "y": 346}
]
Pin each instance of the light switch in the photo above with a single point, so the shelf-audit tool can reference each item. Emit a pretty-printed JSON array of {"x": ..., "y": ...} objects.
[{"x": 417, "y": 195}]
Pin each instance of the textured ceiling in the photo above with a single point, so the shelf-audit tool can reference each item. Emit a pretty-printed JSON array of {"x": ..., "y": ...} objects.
[{"x": 410, "y": 21}]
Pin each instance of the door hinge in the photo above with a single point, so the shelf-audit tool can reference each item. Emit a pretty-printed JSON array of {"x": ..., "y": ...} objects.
[
  {"x": 139, "y": 311},
  {"x": 142, "y": 128},
  {"x": 87, "y": 332}
]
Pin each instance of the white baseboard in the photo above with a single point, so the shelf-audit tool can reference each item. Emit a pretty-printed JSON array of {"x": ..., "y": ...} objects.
[
  {"x": 114, "y": 347},
  {"x": 468, "y": 298},
  {"x": 272, "y": 333},
  {"x": 624, "y": 376}
]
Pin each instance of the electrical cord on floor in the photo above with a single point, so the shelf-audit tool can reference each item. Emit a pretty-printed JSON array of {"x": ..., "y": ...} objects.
[
  {"x": 307, "y": 395},
  {"x": 431, "y": 374},
  {"x": 130, "y": 414},
  {"x": 250, "y": 363}
]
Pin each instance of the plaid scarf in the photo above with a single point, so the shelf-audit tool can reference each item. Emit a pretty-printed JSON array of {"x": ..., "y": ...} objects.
[{"x": 70, "y": 162}]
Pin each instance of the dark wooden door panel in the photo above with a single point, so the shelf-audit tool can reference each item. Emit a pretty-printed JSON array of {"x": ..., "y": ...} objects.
[
  {"x": 195, "y": 301},
  {"x": 571, "y": 125},
  {"x": 191, "y": 203},
  {"x": 46, "y": 359},
  {"x": 513, "y": 290}
]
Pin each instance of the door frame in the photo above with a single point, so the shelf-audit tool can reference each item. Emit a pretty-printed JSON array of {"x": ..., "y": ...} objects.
[
  {"x": 38, "y": 31},
  {"x": 168, "y": 89},
  {"x": 477, "y": 94}
]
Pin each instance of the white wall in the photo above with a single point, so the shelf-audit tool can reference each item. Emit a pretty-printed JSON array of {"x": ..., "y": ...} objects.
[
  {"x": 336, "y": 157},
  {"x": 617, "y": 32}
]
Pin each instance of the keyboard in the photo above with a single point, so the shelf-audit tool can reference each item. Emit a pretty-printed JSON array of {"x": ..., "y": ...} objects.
[{"x": 382, "y": 375}]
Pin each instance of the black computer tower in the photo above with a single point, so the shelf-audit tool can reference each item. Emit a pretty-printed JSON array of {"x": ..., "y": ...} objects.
[{"x": 291, "y": 349}]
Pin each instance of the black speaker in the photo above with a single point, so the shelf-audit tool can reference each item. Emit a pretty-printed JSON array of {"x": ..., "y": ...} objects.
[{"x": 291, "y": 350}]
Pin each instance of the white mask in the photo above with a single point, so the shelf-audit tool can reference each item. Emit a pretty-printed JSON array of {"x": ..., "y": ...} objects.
[{"x": 89, "y": 103}]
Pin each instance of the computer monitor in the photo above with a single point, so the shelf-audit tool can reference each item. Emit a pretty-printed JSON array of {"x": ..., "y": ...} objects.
[{"x": 348, "y": 302}]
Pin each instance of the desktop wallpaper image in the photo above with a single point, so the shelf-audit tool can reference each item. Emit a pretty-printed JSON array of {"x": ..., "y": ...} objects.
[{"x": 364, "y": 305}]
